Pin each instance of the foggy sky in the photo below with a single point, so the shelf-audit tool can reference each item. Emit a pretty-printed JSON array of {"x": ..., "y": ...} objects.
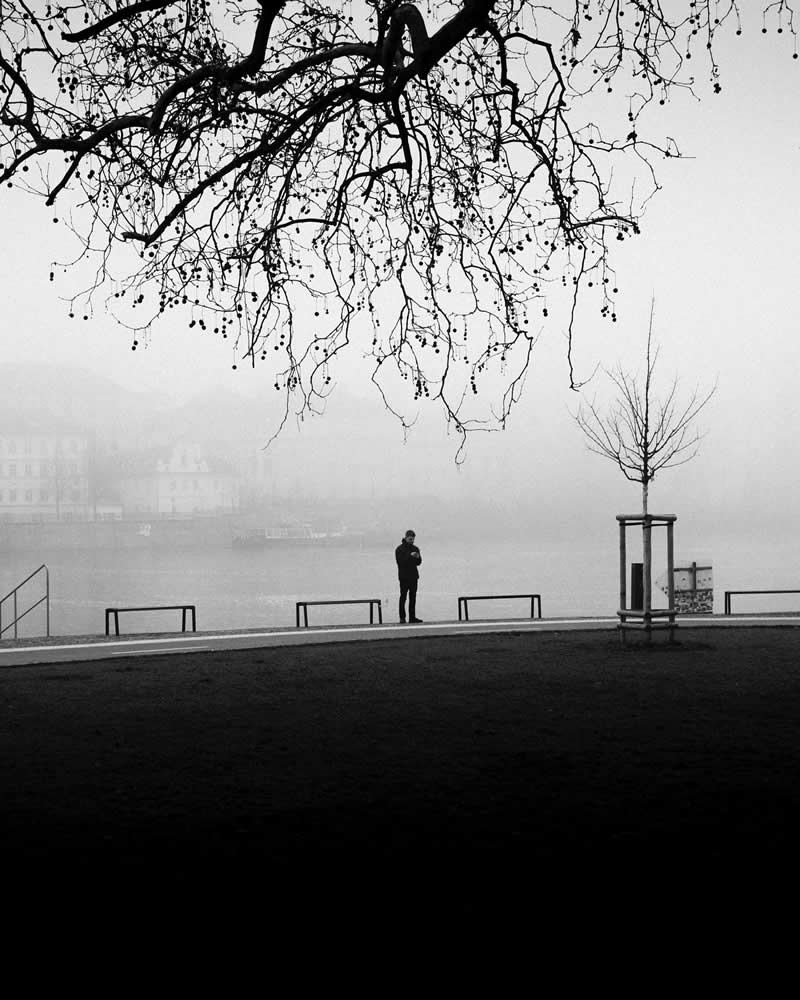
[{"x": 718, "y": 252}]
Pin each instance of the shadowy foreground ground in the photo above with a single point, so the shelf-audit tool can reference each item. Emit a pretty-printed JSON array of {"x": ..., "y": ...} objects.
[{"x": 553, "y": 746}]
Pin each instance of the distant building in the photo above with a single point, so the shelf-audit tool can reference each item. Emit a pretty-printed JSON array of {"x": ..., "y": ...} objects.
[
  {"x": 44, "y": 476},
  {"x": 176, "y": 481}
]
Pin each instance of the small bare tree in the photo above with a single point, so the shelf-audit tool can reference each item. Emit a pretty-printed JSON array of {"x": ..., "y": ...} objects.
[
  {"x": 644, "y": 434},
  {"x": 640, "y": 432}
]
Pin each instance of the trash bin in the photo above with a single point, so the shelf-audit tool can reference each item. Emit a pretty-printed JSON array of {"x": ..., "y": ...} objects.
[{"x": 637, "y": 586}]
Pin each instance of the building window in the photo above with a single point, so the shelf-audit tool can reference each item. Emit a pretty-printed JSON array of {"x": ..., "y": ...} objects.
[
  {"x": 12, "y": 496},
  {"x": 12, "y": 471},
  {"x": 28, "y": 446},
  {"x": 28, "y": 469},
  {"x": 28, "y": 496},
  {"x": 12, "y": 447},
  {"x": 44, "y": 496}
]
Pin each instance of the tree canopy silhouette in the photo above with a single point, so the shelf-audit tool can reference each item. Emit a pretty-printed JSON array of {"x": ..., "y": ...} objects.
[{"x": 431, "y": 183}]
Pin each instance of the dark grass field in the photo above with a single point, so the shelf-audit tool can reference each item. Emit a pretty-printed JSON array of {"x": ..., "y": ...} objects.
[{"x": 552, "y": 746}]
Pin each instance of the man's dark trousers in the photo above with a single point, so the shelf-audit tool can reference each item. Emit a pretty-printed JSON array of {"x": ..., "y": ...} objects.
[{"x": 408, "y": 587}]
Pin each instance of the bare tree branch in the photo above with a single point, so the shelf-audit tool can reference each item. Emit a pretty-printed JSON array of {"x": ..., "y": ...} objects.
[
  {"x": 642, "y": 433},
  {"x": 432, "y": 188},
  {"x": 123, "y": 14}
]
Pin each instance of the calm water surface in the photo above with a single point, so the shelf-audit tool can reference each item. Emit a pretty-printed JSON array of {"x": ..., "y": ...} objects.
[{"x": 251, "y": 588}]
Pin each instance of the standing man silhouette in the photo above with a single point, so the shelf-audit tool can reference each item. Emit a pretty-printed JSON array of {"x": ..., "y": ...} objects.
[{"x": 408, "y": 559}]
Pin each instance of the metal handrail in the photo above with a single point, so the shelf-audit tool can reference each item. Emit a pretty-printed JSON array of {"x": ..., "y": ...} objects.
[{"x": 13, "y": 593}]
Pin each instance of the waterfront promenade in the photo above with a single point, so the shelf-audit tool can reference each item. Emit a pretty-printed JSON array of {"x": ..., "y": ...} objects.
[
  {"x": 58, "y": 649},
  {"x": 545, "y": 738}
]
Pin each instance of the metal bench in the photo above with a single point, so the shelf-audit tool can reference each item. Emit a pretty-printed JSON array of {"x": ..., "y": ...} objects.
[
  {"x": 731, "y": 593},
  {"x": 183, "y": 608},
  {"x": 535, "y": 599},
  {"x": 373, "y": 602}
]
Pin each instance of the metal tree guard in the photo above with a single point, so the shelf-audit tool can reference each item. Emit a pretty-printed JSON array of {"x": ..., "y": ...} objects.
[{"x": 646, "y": 618}]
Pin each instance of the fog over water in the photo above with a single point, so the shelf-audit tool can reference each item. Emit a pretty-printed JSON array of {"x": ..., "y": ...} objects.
[
  {"x": 529, "y": 508},
  {"x": 245, "y": 589}
]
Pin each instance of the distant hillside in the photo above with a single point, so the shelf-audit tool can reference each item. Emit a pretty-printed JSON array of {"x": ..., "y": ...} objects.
[
  {"x": 214, "y": 417},
  {"x": 34, "y": 395}
]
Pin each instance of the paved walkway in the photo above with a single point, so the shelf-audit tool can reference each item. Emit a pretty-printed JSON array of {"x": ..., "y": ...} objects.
[{"x": 64, "y": 649}]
